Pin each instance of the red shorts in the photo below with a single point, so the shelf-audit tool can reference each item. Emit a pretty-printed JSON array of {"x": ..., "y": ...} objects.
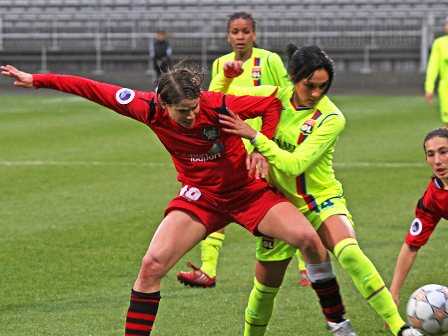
[{"x": 246, "y": 206}]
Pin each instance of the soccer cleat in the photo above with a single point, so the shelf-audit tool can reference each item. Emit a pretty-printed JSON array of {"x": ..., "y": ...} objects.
[
  {"x": 196, "y": 278},
  {"x": 341, "y": 329},
  {"x": 407, "y": 330},
  {"x": 304, "y": 281}
]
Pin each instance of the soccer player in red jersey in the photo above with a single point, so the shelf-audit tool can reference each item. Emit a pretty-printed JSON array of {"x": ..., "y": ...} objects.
[
  {"x": 430, "y": 209},
  {"x": 216, "y": 188},
  {"x": 260, "y": 67}
]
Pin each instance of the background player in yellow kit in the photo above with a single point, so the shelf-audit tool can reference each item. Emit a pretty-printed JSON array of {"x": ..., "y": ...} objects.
[
  {"x": 438, "y": 67},
  {"x": 300, "y": 157},
  {"x": 260, "y": 67}
]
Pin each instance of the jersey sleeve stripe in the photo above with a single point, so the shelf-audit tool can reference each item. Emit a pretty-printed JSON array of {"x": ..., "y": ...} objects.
[{"x": 330, "y": 115}]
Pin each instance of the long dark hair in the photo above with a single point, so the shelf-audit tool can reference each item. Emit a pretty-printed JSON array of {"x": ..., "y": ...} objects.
[
  {"x": 179, "y": 83},
  {"x": 304, "y": 61},
  {"x": 441, "y": 132}
]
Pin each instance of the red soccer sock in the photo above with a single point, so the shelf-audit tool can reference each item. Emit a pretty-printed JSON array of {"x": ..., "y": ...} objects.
[
  {"x": 330, "y": 299},
  {"x": 141, "y": 313}
]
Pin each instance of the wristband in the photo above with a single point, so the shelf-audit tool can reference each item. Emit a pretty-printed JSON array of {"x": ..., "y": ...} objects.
[{"x": 252, "y": 141}]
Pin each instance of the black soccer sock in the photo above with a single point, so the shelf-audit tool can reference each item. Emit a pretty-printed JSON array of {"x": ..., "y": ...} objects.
[
  {"x": 330, "y": 299},
  {"x": 141, "y": 313}
]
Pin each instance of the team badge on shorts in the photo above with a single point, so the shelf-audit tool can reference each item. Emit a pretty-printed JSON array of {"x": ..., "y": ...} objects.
[
  {"x": 124, "y": 96},
  {"x": 416, "y": 227},
  {"x": 307, "y": 127},
  {"x": 268, "y": 243},
  {"x": 256, "y": 73},
  {"x": 210, "y": 133}
]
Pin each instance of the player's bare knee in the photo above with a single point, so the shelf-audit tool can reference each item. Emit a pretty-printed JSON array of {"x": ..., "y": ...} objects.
[
  {"x": 309, "y": 244},
  {"x": 152, "y": 267},
  {"x": 309, "y": 240}
]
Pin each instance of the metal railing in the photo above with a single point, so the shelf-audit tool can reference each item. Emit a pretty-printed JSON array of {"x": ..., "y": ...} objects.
[{"x": 97, "y": 33}]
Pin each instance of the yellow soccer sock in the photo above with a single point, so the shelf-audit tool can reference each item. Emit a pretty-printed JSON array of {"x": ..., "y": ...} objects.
[
  {"x": 210, "y": 248},
  {"x": 259, "y": 309},
  {"x": 368, "y": 281},
  {"x": 302, "y": 266}
]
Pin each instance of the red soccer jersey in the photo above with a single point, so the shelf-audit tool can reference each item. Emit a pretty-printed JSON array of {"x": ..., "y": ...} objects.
[
  {"x": 429, "y": 210},
  {"x": 203, "y": 155}
]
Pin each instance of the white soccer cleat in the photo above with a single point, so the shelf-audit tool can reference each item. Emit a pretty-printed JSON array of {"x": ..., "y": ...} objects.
[{"x": 341, "y": 329}]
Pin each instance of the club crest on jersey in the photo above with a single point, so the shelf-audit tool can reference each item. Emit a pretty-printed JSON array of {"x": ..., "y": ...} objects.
[
  {"x": 416, "y": 227},
  {"x": 307, "y": 127},
  {"x": 256, "y": 73},
  {"x": 268, "y": 243},
  {"x": 124, "y": 96},
  {"x": 210, "y": 133}
]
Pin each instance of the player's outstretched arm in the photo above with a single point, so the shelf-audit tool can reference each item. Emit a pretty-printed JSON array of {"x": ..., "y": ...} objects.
[
  {"x": 405, "y": 260},
  {"x": 22, "y": 79}
]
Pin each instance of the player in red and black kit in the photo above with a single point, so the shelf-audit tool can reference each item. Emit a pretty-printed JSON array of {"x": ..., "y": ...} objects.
[
  {"x": 216, "y": 188},
  {"x": 430, "y": 209}
]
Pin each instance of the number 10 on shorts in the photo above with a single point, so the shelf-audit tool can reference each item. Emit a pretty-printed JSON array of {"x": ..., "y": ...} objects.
[{"x": 191, "y": 193}]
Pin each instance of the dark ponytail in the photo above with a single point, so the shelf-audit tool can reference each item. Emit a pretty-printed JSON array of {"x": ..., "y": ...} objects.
[{"x": 304, "y": 61}]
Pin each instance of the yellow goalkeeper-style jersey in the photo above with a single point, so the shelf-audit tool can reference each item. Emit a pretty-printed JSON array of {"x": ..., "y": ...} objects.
[
  {"x": 262, "y": 68},
  {"x": 437, "y": 65},
  {"x": 301, "y": 154}
]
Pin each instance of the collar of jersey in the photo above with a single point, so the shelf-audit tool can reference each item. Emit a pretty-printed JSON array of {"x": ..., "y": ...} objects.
[
  {"x": 299, "y": 108},
  {"x": 438, "y": 183}
]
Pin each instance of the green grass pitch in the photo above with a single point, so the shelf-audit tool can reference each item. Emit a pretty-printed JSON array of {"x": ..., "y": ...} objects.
[{"x": 82, "y": 190}]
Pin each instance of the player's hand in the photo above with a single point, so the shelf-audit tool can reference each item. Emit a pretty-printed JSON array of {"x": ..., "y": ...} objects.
[
  {"x": 257, "y": 165},
  {"x": 429, "y": 96},
  {"x": 22, "y": 79},
  {"x": 233, "y": 124},
  {"x": 233, "y": 69}
]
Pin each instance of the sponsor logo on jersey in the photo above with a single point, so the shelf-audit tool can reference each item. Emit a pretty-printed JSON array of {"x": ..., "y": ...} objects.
[
  {"x": 416, "y": 227},
  {"x": 285, "y": 145},
  {"x": 124, "y": 96},
  {"x": 198, "y": 157},
  {"x": 268, "y": 243},
  {"x": 307, "y": 127},
  {"x": 210, "y": 133},
  {"x": 256, "y": 73}
]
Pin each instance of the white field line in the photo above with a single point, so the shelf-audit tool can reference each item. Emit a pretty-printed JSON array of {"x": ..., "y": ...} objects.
[
  {"x": 82, "y": 163},
  {"x": 50, "y": 101},
  {"x": 57, "y": 100},
  {"x": 380, "y": 164},
  {"x": 166, "y": 164}
]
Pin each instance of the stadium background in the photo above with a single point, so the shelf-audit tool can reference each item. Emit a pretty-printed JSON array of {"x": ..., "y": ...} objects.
[
  {"x": 82, "y": 189},
  {"x": 378, "y": 45}
]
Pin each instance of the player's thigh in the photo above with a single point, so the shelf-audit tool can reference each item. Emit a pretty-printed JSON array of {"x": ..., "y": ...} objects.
[
  {"x": 284, "y": 221},
  {"x": 178, "y": 233}
]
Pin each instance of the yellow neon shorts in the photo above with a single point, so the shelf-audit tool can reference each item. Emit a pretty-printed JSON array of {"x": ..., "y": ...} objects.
[{"x": 270, "y": 249}]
